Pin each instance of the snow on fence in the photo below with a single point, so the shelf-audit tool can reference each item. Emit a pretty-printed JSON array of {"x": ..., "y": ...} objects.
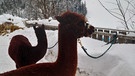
[{"x": 105, "y": 34}]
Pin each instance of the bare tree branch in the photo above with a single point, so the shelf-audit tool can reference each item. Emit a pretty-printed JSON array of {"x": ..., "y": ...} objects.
[
  {"x": 109, "y": 11},
  {"x": 126, "y": 9},
  {"x": 124, "y": 13},
  {"x": 130, "y": 2}
]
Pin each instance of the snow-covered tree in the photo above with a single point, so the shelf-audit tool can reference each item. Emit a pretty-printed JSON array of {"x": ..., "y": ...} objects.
[
  {"x": 13, "y": 7},
  {"x": 41, "y": 8}
]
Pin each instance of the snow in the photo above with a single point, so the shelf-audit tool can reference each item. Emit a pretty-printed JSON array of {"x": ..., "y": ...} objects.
[
  {"x": 14, "y": 19},
  {"x": 131, "y": 34},
  {"x": 118, "y": 61},
  {"x": 44, "y": 21}
]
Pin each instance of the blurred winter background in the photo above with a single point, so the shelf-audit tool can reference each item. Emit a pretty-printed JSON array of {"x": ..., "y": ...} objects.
[{"x": 116, "y": 14}]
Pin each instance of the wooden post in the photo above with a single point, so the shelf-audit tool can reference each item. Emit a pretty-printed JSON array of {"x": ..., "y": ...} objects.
[
  {"x": 106, "y": 38},
  {"x": 94, "y": 36},
  {"x": 100, "y": 36},
  {"x": 113, "y": 32},
  {"x": 121, "y": 40}
]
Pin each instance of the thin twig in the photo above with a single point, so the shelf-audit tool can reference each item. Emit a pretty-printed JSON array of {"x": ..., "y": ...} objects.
[{"x": 109, "y": 11}]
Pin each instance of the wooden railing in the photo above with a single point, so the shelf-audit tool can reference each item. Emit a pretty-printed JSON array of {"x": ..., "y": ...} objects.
[{"x": 106, "y": 34}]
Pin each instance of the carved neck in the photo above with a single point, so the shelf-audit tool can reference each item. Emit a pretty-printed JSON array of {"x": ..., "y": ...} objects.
[
  {"x": 41, "y": 47},
  {"x": 41, "y": 39},
  {"x": 67, "y": 48},
  {"x": 42, "y": 42}
]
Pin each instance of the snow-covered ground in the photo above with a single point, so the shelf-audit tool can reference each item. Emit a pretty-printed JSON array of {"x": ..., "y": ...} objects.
[{"x": 119, "y": 61}]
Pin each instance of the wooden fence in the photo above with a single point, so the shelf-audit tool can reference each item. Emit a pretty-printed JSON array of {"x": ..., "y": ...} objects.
[{"x": 106, "y": 34}]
